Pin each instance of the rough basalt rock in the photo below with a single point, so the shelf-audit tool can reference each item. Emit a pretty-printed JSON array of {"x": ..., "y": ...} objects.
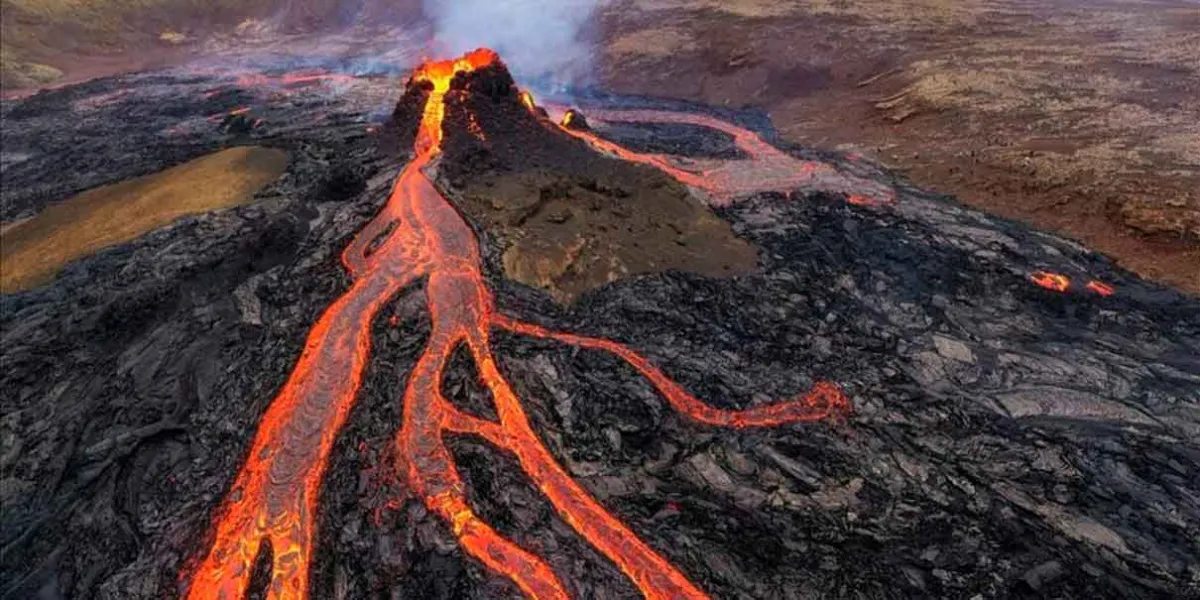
[{"x": 1007, "y": 440}]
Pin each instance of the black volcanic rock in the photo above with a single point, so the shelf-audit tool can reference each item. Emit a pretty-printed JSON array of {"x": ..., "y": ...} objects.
[
  {"x": 513, "y": 137},
  {"x": 1007, "y": 442},
  {"x": 239, "y": 124}
]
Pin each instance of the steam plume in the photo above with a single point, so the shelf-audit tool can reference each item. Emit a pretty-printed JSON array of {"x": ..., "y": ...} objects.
[{"x": 538, "y": 39}]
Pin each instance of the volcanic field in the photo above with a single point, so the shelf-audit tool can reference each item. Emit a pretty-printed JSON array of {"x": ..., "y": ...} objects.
[{"x": 479, "y": 346}]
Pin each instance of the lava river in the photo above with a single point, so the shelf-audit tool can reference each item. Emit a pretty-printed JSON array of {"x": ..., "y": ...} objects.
[{"x": 274, "y": 497}]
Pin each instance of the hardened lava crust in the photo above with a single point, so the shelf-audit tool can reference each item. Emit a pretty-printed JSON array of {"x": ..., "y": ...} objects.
[{"x": 1006, "y": 439}]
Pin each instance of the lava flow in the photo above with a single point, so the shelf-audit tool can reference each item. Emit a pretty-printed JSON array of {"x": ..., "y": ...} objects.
[
  {"x": 1051, "y": 281},
  {"x": 1101, "y": 288},
  {"x": 766, "y": 168},
  {"x": 273, "y": 499}
]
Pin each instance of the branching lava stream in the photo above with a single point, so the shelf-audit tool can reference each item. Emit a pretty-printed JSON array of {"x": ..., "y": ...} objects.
[{"x": 274, "y": 496}]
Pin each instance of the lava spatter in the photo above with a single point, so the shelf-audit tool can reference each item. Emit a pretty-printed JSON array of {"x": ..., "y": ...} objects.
[{"x": 418, "y": 234}]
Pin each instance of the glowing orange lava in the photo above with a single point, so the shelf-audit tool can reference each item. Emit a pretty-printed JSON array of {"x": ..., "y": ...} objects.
[
  {"x": 274, "y": 496},
  {"x": 527, "y": 100},
  {"x": 1051, "y": 281},
  {"x": 859, "y": 200},
  {"x": 766, "y": 168},
  {"x": 1099, "y": 287}
]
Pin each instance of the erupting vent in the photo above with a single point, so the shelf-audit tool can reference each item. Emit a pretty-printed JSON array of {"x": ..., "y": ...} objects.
[{"x": 274, "y": 496}]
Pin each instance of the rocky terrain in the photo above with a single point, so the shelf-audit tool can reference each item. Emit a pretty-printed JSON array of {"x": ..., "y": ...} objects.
[
  {"x": 1075, "y": 117},
  {"x": 1007, "y": 440}
]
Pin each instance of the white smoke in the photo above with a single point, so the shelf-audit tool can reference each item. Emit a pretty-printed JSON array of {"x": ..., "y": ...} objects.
[{"x": 537, "y": 39}]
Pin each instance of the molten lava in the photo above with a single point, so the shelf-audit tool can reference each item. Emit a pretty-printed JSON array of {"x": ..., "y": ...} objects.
[
  {"x": 1101, "y": 288},
  {"x": 273, "y": 498},
  {"x": 1051, "y": 281},
  {"x": 527, "y": 100},
  {"x": 766, "y": 169},
  {"x": 860, "y": 200}
]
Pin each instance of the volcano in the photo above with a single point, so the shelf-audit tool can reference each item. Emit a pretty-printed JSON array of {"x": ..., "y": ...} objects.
[
  {"x": 275, "y": 495},
  {"x": 618, "y": 348}
]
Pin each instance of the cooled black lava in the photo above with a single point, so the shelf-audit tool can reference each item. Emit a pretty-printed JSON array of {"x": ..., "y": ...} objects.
[{"x": 1007, "y": 439}]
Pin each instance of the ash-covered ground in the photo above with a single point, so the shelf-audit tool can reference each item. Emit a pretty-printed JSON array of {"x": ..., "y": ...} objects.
[{"x": 1007, "y": 440}]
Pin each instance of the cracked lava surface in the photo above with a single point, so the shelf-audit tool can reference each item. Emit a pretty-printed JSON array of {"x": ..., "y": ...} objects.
[{"x": 274, "y": 496}]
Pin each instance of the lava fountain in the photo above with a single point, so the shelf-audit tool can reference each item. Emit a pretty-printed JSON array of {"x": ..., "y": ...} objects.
[{"x": 274, "y": 496}]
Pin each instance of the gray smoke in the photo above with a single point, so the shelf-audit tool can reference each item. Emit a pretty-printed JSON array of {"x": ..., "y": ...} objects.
[{"x": 537, "y": 39}]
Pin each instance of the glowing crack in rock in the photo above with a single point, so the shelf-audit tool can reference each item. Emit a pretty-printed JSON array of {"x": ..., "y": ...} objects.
[
  {"x": 1051, "y": 281},
  {"x": 274, "y": 496},
  {"x": 1101, "y": 288}
]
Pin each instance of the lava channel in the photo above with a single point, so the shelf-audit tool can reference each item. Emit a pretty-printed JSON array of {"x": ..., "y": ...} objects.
[
  {"x": 273, "y": 498},
  {"x": 766, "y": 168}
]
